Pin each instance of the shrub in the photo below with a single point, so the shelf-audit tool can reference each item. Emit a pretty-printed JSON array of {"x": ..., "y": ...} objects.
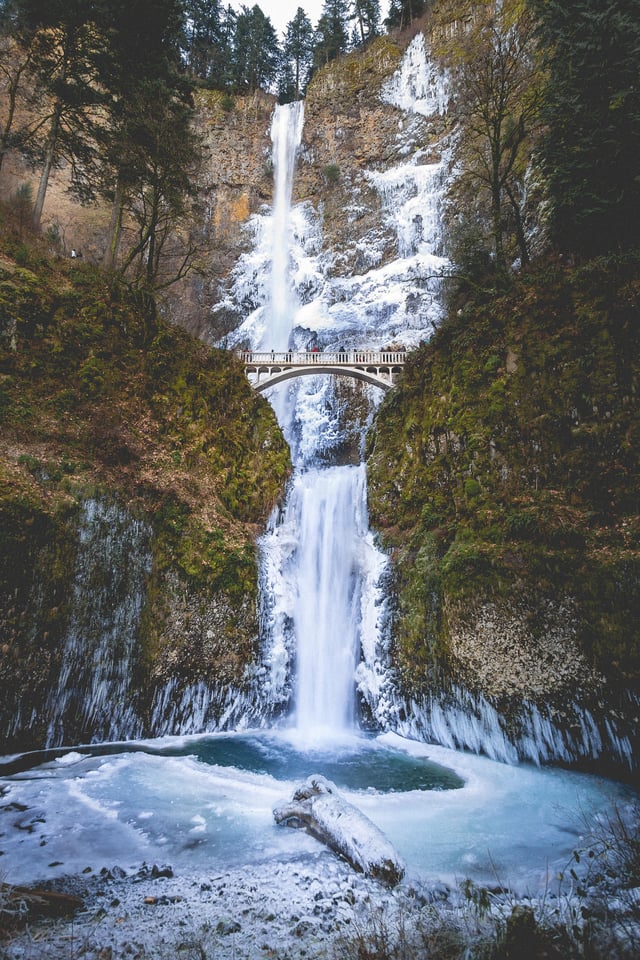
[
  {"x": 92, "y": 377},
  {"x": 331, "y": 173},
  {"x": 472, "y": 488}
]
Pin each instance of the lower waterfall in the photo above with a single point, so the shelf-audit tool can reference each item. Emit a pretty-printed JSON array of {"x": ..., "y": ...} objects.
[
  {"x": 326, "y": 602},
  {"x": 324, "y": 582}
]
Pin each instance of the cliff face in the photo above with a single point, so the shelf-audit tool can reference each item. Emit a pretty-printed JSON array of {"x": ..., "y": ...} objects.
[
  {"x": 136, "y": 468},
  {"x": 348, "y": 131},
  {"x": 504, "y": 475},
  {"x": 235, "y": 182}
]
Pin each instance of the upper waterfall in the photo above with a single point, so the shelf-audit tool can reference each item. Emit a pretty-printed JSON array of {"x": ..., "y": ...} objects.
[
  {"x": 303, "y": 282},
  {"x": 286, "y": 134}
]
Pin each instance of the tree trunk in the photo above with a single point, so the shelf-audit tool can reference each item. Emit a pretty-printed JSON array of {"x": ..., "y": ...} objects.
[
  {"x": 318, "y": 806},
  {"x": 496, "y": 204},
  {"x": 520, "y": 235},
  {"x": 18, "y": 905},
  {"x": 115, "y": 228},
  {"x": 48, "y": 164},
  {"x": 151, "y": 251},
  {"x": 13, "y": 86}
]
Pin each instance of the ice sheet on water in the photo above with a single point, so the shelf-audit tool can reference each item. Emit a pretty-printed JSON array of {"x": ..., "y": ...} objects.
[{"x": 140, "y": 806}]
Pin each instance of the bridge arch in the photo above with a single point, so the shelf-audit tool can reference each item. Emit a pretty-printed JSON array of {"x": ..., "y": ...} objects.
[{"x": 377, "y": 368}]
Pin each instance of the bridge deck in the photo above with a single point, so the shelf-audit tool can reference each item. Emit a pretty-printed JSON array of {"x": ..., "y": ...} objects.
[
  {"x": 349, "y": 358},
  {"x": 267, "y": 368}
]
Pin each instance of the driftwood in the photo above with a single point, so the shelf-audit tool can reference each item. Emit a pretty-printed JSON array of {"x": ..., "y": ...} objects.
[
  {"x": 18, "y": 904},
  {"x": 317, "y": 806}
]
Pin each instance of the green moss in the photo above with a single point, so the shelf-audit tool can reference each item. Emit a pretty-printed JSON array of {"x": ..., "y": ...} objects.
[
  {"x": 514, "y": 436},
  {"x": 101, "y": 397},
  {"x": 420, "y": 640},
  {"x": 358, "y": 72}
]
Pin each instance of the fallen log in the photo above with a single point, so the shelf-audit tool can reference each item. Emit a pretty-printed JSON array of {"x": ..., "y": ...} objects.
[
  {"x": 18, "y": 904},
  {"x": 317, "y": 806}
]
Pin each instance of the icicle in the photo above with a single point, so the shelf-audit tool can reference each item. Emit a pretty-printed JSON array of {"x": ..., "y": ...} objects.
[
  {"x": 418, "y": 86},
  {"x": 92, "y": 697}
]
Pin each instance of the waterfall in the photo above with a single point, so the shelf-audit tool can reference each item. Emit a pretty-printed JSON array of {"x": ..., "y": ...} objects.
[
  {"x": 286, "y": 133},
  {"x": 318, "y": 554},
  {"x": 325, "y": 589}
]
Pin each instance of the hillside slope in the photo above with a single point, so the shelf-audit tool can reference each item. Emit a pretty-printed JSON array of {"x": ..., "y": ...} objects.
[
  {"x": 109, "y": 413},
  {"x": 504, "y": 476}
]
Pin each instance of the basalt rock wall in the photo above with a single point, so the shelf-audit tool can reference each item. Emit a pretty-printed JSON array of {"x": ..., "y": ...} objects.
[
  {"x": 504, "y": 478},
  {"x": 137, "y": 468}
]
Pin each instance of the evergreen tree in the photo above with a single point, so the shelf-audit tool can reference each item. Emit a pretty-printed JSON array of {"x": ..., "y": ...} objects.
[
  {"x": 331, "y": 36},
  {"x": 256, "y": 50},
  {"x": 66, "y": 54},
  {"x": 403, "y": 12},
  {"x": 210, "y": 32},
  {"x": 202, "y": 36},
  {"x": 366, "y": 14},
  {"x": 287, "y": 91},
  {"x": 221, "y": 68},
  {"x": 162, "y": 156},
  {"x": 592, "y": 146},
  {"x": 297, "y": 55},
  {"x": 148, "y": 93}
]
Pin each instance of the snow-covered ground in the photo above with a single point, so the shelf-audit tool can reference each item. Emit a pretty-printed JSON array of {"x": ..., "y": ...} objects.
[{"x": 243, "y": 886}]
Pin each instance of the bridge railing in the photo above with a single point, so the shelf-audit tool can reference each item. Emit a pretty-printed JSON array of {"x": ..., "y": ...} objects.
[{"x": 348, "y": 358}]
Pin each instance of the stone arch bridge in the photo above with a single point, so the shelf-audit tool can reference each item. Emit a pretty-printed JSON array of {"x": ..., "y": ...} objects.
[{"x": 266, "y": 369}]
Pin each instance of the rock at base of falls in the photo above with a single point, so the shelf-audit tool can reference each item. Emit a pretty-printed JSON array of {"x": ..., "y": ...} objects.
[{"x": 317, "y": 806}]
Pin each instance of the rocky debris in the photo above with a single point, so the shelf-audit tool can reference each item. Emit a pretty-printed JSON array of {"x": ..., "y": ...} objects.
[
  {"x": 294, "y": 910},
  {"x": 146, "y": 872},
  {"x": 302, "y": 909}
]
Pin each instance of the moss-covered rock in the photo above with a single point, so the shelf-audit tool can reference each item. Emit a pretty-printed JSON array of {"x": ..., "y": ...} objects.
[
  {"x": 100, "y": 400},
  {"x": 504, "y": 478}
]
